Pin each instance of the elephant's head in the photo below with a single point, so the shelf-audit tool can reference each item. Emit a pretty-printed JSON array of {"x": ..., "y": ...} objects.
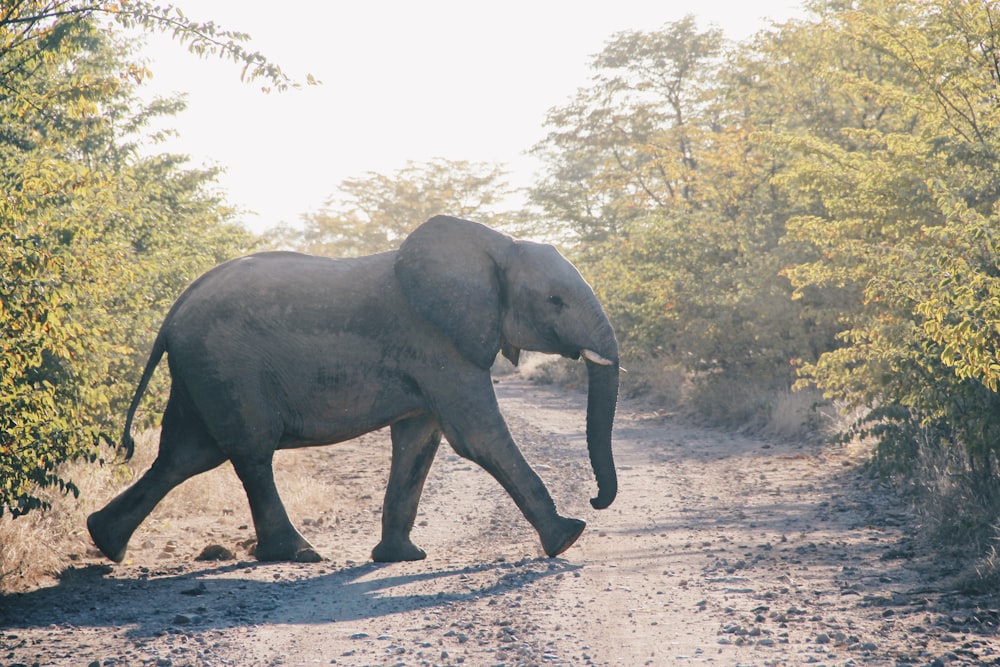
[{"x": 486, "y": 292}]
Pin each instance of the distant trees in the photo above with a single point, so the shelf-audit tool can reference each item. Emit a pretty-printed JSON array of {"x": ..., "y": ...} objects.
[
  {"x": 375, "y": 212},
  {"x": 632, "y": 142},
  {"x": 95, "y": 240}
]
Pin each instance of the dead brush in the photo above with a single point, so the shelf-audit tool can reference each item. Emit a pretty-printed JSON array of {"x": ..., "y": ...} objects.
[
  {"x": 959, "y": 503},
  {"x": 38, "y": 546}
]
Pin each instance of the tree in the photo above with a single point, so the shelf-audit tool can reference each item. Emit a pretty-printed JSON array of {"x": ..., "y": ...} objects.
[
  {"x": 94, "y": 242},
  {"x": 904, "y": 213},
  {"x": 375, "y": 212},
  {"x": 660, "y": 172},
  {"x": 631, "y": 142}
]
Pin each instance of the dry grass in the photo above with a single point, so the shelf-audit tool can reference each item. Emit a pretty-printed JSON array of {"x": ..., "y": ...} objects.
[
  {"x": 664, "y": 384},
  {"x": 760, "y": 411},
  {"x": 765, "y": 412},
  {"x": 984, "y": 576},
  {"x": 959, "y": 506},
  {"x": 801, "y": 414},
  {"x": 39, "y": 546}
]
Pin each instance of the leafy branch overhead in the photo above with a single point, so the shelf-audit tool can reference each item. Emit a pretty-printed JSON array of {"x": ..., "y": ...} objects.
[{"x": 25, "y": 21}]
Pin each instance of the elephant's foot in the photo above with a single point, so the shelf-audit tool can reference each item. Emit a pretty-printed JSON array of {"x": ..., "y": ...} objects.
[
  {"x": 394, "y": 551},
  {"x": 294, "y": 551},
  {"x": 307, "y": 555},
  {"x": 111, "y": 543},
  {"x": 562, "y": 536}
]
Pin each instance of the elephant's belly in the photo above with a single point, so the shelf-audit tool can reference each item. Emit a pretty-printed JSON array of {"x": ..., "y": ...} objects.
[{"x": 339, "y": 416}]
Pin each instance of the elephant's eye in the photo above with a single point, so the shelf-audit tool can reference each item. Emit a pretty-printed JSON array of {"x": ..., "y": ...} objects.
[{"x": 557, "y": 301}]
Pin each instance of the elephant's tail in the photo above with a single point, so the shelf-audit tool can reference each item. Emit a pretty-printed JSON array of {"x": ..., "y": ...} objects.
[{"x": 127, "y": 445}]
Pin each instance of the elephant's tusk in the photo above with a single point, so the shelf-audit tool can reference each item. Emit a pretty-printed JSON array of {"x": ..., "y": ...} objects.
[{"x": 590, "y": 355}]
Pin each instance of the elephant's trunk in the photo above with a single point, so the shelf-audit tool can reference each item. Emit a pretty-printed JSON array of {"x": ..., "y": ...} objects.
[{"x": 602, "y": 398}]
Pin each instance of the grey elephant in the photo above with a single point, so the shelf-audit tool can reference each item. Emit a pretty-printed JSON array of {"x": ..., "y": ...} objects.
[{"x": 280, "y": 350}]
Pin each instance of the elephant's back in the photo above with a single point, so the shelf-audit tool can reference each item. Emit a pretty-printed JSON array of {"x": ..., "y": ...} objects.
[
  {"x": 280, "y": 292},
  {"x": 277, "y": 270}
]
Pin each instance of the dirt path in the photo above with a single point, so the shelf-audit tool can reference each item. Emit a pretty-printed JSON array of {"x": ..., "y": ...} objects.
[{"x": 719, "y": 550}]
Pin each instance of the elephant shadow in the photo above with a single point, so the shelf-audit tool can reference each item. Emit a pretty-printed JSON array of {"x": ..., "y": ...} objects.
[{"x": 246, "y": 594}]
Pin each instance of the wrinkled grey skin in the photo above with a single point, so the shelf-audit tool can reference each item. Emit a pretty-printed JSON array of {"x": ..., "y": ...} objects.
[{"x": 281, "y": 350}]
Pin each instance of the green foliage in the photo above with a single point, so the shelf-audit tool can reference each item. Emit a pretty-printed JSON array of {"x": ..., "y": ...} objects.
[
  {"x": 656, "y": 169},
  {"x": 95, "y": 241},
  {"x": 375, "y": 212},
  {"x": 821, "y": 203},
  {"x": 904, "y": 204}
]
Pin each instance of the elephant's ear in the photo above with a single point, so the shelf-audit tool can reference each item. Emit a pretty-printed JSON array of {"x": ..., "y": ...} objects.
[{"x": 450, "y": 271}]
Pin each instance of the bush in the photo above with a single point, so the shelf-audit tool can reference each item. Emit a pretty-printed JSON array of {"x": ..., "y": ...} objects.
[{"x": 95, "y": 242}]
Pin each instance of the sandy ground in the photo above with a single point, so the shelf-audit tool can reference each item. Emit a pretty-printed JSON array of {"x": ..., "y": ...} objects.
[{"x": 719, "y": 550}]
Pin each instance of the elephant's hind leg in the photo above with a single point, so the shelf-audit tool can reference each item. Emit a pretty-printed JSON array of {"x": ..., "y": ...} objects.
[
  {"x": 186, "y": 449},
  {"x": 414, "y": 443},
  {"x": 277, "y": 538}
]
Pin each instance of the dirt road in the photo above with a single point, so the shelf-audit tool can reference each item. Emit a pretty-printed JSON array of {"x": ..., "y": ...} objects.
[{"x": 720, "y": 550}]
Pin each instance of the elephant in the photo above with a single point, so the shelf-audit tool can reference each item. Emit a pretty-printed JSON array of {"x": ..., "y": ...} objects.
[{"x": 279, "y": 350}]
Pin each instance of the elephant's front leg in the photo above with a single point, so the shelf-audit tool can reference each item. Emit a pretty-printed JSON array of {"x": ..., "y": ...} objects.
[
  {"x": 414, "y": 442},
  {"x": 476, "y": 430}
]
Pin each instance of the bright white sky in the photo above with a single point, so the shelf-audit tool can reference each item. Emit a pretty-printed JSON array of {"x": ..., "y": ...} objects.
[{"x": 402, "y": 80}]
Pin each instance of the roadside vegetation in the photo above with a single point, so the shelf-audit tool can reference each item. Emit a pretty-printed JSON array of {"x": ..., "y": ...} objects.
[{"x": 795, "y": 226}]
